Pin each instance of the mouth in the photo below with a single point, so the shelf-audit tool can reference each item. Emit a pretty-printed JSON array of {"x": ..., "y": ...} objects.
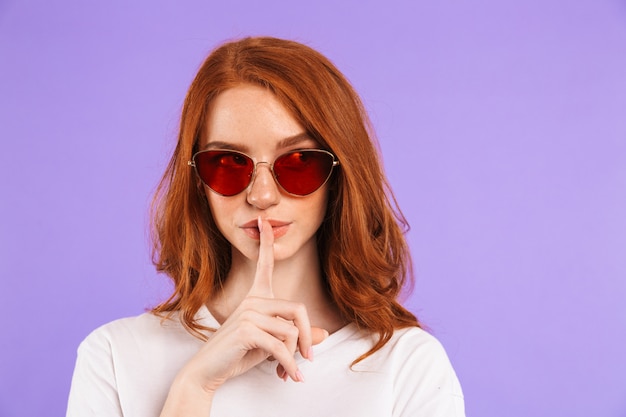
[{"x": 279, "y": 228}]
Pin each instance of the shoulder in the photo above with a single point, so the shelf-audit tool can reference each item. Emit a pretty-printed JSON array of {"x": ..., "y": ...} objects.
[
  {"x": 144, "y": 324},
  {"x": 415, "y": 336},
  {"x": 423, "y": 378},
  {"x": 100, "y": 365},
  {"x": 421, "y": 351},
  {"x": 418, "y": 343},
  {"x": 146, "y": 321},
  {"x": 411, "y": 343},
  {"x": 137, "y": 335},
  {"x": 427, "y": 374},
  {"x": 128, "y": 364}
]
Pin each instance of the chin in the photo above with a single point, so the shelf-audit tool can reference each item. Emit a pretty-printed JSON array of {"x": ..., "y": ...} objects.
[{"x": 282, "y": 252}]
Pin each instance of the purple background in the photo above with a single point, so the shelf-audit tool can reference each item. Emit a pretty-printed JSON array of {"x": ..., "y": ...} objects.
[{"x": 503, "y": 130}]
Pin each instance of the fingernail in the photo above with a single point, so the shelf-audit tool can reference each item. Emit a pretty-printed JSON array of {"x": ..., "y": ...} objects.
[
  {"x": 309, "y": 354},
  {"x": 299, "y": 376},
  {"x": 260, "y": 222}
]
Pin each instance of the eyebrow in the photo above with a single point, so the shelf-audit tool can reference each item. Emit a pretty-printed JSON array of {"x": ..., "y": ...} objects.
[{"x": 283, "y": 143}]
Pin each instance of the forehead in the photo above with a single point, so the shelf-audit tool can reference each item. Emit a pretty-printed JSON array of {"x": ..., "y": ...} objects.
[{"x": 249, "y": 117}]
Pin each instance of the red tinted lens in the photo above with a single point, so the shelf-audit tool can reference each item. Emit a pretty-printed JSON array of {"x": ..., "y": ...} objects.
[
  {"x": 225, "y": 172},
  {"x": 302, "y": 172}
]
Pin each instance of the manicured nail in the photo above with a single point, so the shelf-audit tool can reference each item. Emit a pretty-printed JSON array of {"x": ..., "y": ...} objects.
[
  {"x": 299, "y": 376},
  {"x": 260, "y": 222},
  {"x": 309, "y": 354}
]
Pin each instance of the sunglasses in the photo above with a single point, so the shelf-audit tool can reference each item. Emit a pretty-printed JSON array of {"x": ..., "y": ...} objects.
[{"x": 298, "y": 172}]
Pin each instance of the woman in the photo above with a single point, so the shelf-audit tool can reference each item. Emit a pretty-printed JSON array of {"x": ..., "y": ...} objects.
[{"x": 275, "y": 222}]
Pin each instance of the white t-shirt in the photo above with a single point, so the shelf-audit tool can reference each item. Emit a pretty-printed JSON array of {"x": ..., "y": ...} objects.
[{"x": 125, "y": 368}]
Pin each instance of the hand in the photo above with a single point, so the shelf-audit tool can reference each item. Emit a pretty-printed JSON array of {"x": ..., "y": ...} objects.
[
  {"x": 262, "y": 287},
  {"x": 260, "y": 327}
]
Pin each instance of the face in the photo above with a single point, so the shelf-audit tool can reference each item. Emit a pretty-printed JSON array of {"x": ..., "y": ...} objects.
[{"x": 251, "y": 120}]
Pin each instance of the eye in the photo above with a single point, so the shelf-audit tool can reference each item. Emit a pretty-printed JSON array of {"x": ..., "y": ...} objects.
[
  {"x": 232, "y": 160},
  {"x": 295, "y": 159},
  {"x": 302, "y": 156}
]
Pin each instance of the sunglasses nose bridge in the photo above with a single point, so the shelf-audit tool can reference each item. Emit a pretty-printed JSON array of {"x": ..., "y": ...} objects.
[
  {"x": 263, "y": 190},
  {"x": 269, "y": 165}
]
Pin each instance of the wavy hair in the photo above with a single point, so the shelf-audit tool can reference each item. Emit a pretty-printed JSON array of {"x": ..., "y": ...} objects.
[{"x": 363, "y": 253}]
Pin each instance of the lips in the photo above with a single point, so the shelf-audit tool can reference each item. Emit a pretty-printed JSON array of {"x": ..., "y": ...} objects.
[{"x": 279, "y": 228}]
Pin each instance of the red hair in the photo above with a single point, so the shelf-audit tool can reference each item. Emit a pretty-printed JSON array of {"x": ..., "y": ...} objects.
[{"x": 364, "y": 257}]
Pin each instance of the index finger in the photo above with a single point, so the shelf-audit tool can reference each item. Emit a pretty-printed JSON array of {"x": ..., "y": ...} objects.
[{"x": 262, "y": 284}]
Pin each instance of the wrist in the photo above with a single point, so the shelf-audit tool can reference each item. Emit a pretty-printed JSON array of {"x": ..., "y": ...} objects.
[{"x": 187, "y": 398}]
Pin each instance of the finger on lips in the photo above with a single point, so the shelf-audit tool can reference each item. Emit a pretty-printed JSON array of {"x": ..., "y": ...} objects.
[{"x": 262, "y": 285}]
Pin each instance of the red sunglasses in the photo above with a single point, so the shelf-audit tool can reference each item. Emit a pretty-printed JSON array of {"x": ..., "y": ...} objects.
[{"x": 298, "y": 172}]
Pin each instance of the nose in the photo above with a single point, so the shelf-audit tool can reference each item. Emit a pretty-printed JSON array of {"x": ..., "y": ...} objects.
[{"x": 264, "y": 192}]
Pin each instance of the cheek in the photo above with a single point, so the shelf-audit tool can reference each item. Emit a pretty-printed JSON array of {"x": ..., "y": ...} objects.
[
  {"x": 220, "y": 207},
  {"x": 320, "y": 205}
]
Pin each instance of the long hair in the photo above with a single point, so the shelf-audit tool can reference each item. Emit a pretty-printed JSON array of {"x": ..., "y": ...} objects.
[{"x": 363, "y": 253}]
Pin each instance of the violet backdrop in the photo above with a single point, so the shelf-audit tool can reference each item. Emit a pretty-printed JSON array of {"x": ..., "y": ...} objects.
[{"x": 503, "y": 131}]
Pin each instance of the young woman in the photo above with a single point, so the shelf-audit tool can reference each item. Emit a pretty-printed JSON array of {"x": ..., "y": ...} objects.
[{"x": 276, "y": 224}]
